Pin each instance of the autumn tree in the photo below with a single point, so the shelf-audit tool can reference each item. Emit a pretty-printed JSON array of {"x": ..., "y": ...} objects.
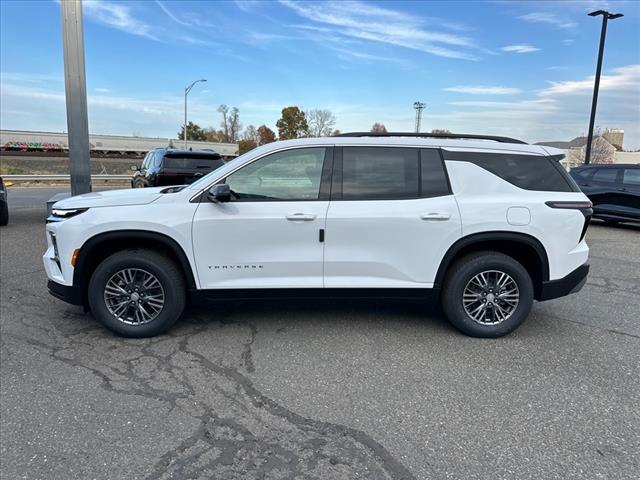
[
  {"x": 321, "y": 122},
  {"x": 249, "y": 140},
  {"x": 265, "y": 135},
  {"x": 292, "y": 124},
  {"x": 378, "y": 128},
  {"x": 194, "y": 132}
]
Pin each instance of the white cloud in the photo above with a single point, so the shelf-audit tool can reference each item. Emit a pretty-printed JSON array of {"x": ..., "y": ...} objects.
[
  {"x": 520, "y": 48},
  {"x": 102, "y": 90},
  {"x": 483, "y": 90},
  {"x": 623, "y": 80},
  {"x": 548, "y": 18},
  {"x": 173, "y": 16},
  {"x": 117, "y": 15},
  {"x": 568, "y": 41},
  {"x": 363, "y": 21}
]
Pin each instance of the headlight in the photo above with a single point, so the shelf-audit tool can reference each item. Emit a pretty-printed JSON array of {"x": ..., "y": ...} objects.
[{"x": 59, "y": 214}]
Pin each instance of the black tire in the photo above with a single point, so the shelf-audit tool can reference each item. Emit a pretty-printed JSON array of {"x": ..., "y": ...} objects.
[
  {"x": 463, "y": 271},
  {"x": 165, "y": 271},
  {"x": 138, "y": 184},
  {"x": 4, "y": 213}
]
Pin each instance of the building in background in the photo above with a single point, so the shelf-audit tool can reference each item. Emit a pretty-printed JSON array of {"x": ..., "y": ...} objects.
[{"x": 615, "y": 136}]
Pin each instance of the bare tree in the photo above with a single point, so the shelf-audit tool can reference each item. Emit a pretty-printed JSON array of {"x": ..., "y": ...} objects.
[
  {"x": 378, "y": 128},
  {"x": 440, "y": 130},
  {"x": 234, "y": 125},
  {"x": 251, "y": 133},
  {"x": 224, "y": 110},
  {"x": 230, "y": 123},
  {"x": 601, "y": 151},
  {"x": 320, "y": 122}
]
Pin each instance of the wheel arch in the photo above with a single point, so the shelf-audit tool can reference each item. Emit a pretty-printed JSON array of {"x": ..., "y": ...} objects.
[
  {"x": 100, "y": 246},
  {"x": 522, "y": 247}
]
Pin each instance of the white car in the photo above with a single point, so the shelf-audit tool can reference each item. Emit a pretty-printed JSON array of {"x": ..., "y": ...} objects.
[{"x": 484, "y": 225}]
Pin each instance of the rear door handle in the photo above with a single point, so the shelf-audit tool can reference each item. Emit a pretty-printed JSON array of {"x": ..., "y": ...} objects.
[
  {"x": 301, "y": 217},
  {"x": 436, "y": 217}
]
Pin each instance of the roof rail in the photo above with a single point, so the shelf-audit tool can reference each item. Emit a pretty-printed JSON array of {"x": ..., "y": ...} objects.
[{"x": 434, "y": 135}]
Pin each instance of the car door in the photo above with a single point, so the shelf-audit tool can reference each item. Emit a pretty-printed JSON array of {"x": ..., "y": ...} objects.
[
  {"x": 631, "y": 191},
  {"x": 391, "y": 218},
  {"x": 605, "y": 191},
  {"x": 268, "y": 235}
]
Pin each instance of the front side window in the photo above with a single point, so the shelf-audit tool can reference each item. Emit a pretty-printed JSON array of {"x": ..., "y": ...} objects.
[
  {"x": 288, "y": 175},
  {"x": 377, "y": 173}
]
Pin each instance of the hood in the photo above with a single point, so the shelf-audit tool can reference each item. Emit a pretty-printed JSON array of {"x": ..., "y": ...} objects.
[{"x": 112, "y": 198}]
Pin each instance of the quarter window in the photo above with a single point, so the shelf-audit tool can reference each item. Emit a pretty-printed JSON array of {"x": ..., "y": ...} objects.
[
  {"x": 631, "y": 176},
  {"x": 529, "y": 172},
  {"x": 288, "y": 175}
]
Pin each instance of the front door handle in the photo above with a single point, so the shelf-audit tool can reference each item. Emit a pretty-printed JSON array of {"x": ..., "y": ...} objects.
[
  {"x": 437, "y": 217},
  {"x": 301, "y": 217}
]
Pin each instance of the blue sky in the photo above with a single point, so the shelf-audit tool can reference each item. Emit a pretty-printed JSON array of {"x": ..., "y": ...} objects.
[{"x": 515, "y": 68}]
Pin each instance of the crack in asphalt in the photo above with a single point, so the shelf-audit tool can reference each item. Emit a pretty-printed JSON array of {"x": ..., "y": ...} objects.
[{"x": 241, "y": 432}]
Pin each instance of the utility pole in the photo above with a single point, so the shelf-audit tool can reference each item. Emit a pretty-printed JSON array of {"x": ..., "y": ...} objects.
[
  {"x": 419, "y": 106},
  {"x": 76, "y": 96},
  {"x": 186, "y": 92},
  {"x": 606, "y": 16}
]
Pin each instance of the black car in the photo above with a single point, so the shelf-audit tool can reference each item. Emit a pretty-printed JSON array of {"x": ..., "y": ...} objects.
[
  {"x": 168, "y": 166},
  {"x": 613, "y": 189},
  {"x": 4, "y": 207}
]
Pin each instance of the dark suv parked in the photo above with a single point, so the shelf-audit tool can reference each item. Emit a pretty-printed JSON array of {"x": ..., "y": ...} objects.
[
  {"x": 167, "y": 166},
  {"x": 614, "y": 190},
  {"x": 4, "y": 207}
]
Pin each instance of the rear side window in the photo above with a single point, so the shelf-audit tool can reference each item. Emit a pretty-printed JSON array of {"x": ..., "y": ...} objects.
[
  {"x": 631, "y": 177},
  {"x": 370, "y": 173},
  {"x": 433, "y": 178},
  {"x": 529, "y": 172},
  {"x": 605, "y": 175},
  {"x": 191, "y": 163}
]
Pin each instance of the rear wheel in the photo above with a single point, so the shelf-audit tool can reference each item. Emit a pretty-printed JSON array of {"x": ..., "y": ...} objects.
[
  {"x": 137, "y": 293},
  {"x": 487, "y": 294}
]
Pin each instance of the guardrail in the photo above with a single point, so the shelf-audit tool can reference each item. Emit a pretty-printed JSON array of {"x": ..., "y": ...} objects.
[{"x": 48, "y": 178}]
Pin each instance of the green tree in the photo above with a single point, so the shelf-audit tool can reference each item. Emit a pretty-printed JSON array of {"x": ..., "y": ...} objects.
[
  {"x": 265, "y": 135},
  {"x": 194, "y": 132},
  {"x": 245, "y": 145},
  {"x": 292, "y": 124}
]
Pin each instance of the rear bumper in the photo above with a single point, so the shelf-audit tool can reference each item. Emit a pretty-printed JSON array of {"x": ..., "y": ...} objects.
[
  {"x": 572, "y": 283},
  {"x": 66, "y": 293}
]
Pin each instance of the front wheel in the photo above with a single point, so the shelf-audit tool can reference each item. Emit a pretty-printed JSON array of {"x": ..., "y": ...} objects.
[
  {"x": 137, "y": 293},
  {"x": 487, "y": 294}
]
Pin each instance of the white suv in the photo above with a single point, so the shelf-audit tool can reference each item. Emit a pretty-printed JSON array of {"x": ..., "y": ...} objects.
[{"x": 483, "y": 224}]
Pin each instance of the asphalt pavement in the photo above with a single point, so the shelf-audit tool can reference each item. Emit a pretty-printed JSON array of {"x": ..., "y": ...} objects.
[{"x": 326, "y": 390}]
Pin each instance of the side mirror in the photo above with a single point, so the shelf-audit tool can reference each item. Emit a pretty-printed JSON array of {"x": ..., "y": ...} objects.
[
  {"x": 134, "y": 168},
  {"x": 220, "y": 193}
]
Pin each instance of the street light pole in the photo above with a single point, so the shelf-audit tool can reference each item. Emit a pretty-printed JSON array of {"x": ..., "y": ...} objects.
[
  {"x": 606, "y": 16},
  {"x": 186, "y": 92}
]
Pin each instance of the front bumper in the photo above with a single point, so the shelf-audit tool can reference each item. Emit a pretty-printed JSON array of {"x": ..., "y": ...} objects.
[
  {"x": 66, "y": 293},
  {"x": 572, "y": 283}
]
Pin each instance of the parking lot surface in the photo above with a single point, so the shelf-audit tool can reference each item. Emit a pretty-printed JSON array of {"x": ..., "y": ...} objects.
[{"x": 328, "y": 390}]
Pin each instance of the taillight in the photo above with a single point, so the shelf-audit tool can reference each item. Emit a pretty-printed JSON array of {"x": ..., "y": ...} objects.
[
  {"x": 569, "y": 204},
  {"x": 585, "y": 208}
]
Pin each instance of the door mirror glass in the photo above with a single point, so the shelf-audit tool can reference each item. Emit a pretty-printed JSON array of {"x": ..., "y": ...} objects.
[{"x": 220, "y": 193}]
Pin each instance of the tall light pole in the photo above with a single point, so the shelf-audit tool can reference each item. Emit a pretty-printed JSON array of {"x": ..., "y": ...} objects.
[
  {"x": 186, "y": 92},
  {"x": 76, "y": 96},
  {"x": 606, "y": 16},
  {"x": 418, "y": 106}
]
